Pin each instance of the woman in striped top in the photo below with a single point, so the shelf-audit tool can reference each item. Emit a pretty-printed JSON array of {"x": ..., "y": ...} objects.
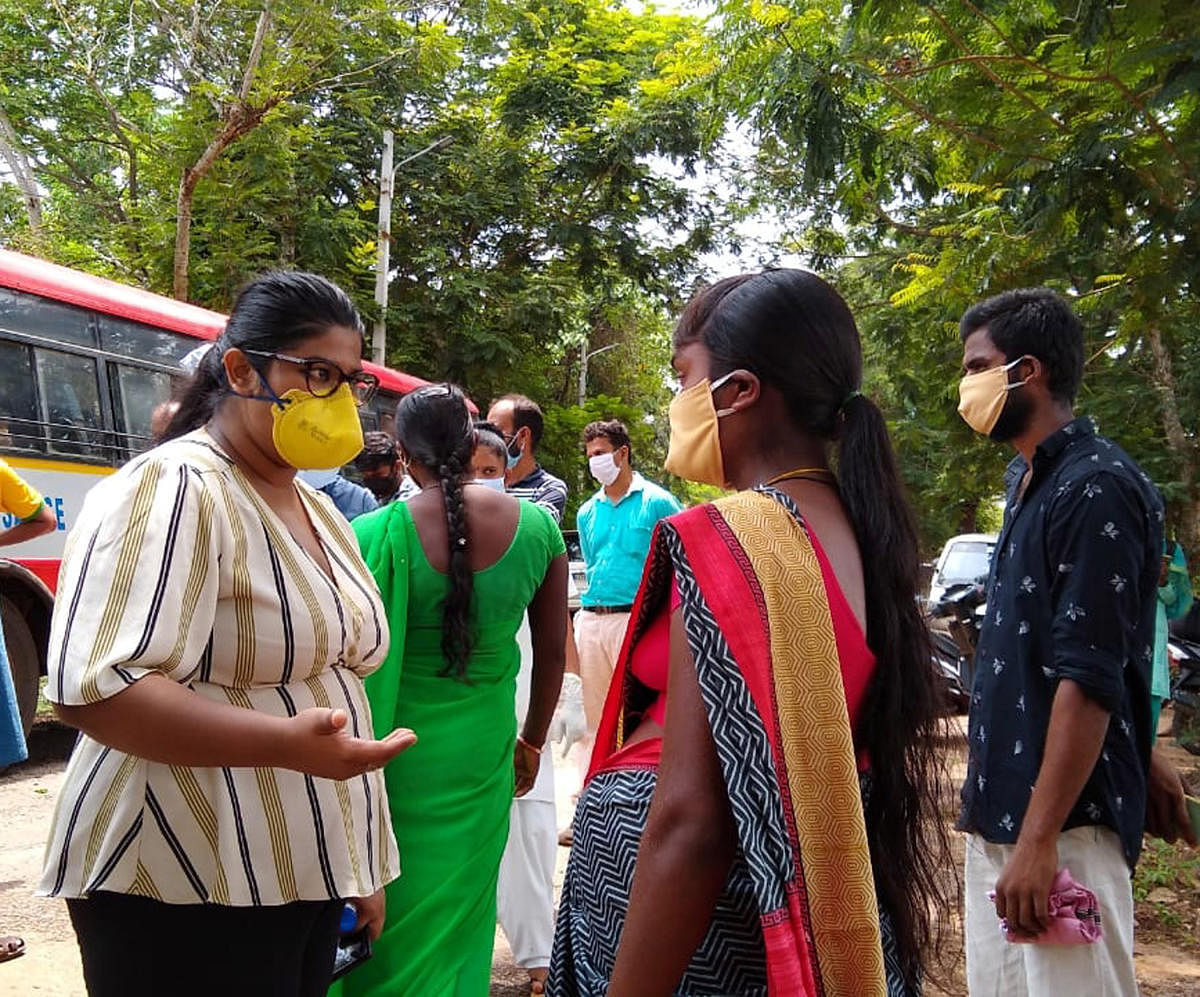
[{"x": 213, "y": 626}]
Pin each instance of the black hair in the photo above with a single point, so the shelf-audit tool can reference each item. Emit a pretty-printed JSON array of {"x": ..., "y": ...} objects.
[
  {"x": 796, "y": 333},
  {"x": 526, "y": 414},
  {"x": 491, "y": 439},
  {"x": 272, "y": 313},
  {"x": 378, "y": 448},
  {"x": 612, "y": 430},
  {"x": 433, "y": 426},
  {"x": 1035, "y": 322}
]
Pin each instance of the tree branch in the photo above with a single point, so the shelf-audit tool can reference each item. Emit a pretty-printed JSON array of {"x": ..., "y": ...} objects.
[
  {"x": 12, "y": 152},
  {"x": 932, "y": 119},
  {"x": 330, "y": 81},
  {"x": 1106, "y": 77},
  {"x": 255, "y": 56},
  {"x": 993, "y": 76}
]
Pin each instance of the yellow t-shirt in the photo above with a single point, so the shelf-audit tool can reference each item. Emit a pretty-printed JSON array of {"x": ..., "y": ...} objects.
[{"x": 16, "y": 497}]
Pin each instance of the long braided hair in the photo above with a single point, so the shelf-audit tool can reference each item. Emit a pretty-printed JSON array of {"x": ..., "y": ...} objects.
[{"x": 433, "y": 426}]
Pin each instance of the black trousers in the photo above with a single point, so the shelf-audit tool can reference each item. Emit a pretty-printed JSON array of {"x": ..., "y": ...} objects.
[{"x": 137, "y": 947}]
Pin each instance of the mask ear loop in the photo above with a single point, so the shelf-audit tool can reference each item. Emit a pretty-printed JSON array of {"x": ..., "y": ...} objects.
[
  {"x": 1017, "y": 384},
  {"x": 270, "y": 396},
  {"x": 713, "y": 386}
]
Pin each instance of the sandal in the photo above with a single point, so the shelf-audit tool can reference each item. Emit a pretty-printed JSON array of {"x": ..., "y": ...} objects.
[
  {"x": 537, "y": 984},
  {"x": 11, "y": 947}
]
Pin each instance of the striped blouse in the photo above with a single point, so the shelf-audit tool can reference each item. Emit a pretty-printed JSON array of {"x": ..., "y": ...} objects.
[{"x": 178, "y": 566}]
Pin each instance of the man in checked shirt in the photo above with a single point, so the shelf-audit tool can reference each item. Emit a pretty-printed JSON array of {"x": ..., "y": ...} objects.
[{"x": 1059, "y": 749}]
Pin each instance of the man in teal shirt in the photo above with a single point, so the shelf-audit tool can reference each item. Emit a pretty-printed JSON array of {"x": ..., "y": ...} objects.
[
  {"x": 615, "y": 526},
  {"x": 1174, "y": 599}
]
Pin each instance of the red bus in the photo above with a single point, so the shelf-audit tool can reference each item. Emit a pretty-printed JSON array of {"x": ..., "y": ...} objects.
[{"x": 84, "y": 361}]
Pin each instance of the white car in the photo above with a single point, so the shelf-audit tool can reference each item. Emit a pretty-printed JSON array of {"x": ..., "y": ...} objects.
[
  {"x": 577, "y": 567},
  {"x": 965, "y": 558}
]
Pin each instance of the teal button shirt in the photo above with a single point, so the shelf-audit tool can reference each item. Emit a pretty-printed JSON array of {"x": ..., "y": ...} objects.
[{"x": 616, "y": 539}]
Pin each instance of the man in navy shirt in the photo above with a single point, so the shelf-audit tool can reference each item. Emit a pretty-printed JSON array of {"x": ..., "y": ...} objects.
[
  {"x": 520, "y": 422},
  {"x": 1059, "y": 730}
]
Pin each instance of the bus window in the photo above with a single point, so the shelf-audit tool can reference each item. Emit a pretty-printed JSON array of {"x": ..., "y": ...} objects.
[
  {"x": 19, "y": 428},
  {"x": 70, "y": 398},
  {"x": 384, "y": 406},
  {"x": 34, "y": 315},
  {"x": 136, "y": 393},
  {"x": 132, "y": 339}
]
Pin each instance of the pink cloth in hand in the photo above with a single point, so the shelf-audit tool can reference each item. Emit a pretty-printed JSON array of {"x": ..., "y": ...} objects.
[{"x": 1074, "y": 915}]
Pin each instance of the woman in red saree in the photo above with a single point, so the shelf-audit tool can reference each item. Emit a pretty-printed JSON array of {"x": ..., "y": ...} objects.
[{"x": 759, "y": 816}]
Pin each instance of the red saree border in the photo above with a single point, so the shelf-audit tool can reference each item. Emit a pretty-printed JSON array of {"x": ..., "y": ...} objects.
[{"x": 730, "y": 550}]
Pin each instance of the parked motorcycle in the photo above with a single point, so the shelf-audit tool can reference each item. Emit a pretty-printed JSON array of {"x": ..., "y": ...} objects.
[
  {"x": 1185, "y": 692},
  {"x": 963, "y": 607}
]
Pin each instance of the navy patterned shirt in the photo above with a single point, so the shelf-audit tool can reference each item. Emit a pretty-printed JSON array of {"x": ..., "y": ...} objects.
[
  {"x": 1071, "y": 595},
  {"x": 542, "y": 488}
]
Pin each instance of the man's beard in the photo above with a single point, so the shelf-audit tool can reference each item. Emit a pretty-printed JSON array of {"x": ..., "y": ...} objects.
[{"x": 1014, "y": 417}]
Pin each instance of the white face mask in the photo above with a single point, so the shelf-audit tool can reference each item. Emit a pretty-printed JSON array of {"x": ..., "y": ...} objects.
[
  {"x": 495, "y": 484},
  {"x": 604, "y": 468}
]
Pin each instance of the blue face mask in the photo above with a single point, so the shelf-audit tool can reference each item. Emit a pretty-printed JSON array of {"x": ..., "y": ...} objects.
[{"x": 513, "y": 460}]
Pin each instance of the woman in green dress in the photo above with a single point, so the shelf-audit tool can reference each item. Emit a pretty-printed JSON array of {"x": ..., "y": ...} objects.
[{"x": 458, "y": 566}]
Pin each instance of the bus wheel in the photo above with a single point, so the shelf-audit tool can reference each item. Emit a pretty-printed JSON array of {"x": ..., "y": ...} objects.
[{"x": 22, "y": 659}]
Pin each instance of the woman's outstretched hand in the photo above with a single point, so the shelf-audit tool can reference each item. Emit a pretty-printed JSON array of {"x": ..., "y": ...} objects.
[{"x": 319, "y": 744}]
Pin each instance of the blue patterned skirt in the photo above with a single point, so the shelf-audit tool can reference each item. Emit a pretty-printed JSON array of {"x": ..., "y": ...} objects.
[{"x": 608, "y": 826}]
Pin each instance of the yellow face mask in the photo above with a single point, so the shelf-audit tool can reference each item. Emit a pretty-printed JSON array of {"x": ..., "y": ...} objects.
[
  {"x": 981, "y": 396},
  {"x": 311, "y": 433},
  {"x": 695, "y": 450}
]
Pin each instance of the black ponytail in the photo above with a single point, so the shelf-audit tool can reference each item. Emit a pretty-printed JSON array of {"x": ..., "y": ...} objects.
[
  {"x": 796, "y": 333},
  {"x": 902, "y": 809},
  {"x": 271, "y": 314},
  {"x": 433, "y": 426}
]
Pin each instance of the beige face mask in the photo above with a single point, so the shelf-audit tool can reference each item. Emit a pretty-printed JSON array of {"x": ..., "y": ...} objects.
[
  {"x": 981, "y": 396},
  {"x": 695, "y": 449}
]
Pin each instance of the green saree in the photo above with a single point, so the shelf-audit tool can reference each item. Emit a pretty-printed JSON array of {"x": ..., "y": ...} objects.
[{"x": 450, "y": 793}]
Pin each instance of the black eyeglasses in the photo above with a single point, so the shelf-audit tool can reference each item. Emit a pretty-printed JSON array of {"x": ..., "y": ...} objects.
[{"x": 324, "y": 377}]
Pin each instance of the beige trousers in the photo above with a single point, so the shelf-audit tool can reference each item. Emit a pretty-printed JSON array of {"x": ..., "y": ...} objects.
[
  {"x": 999, "y": 968},
  {"x": 599, "y": 637}
]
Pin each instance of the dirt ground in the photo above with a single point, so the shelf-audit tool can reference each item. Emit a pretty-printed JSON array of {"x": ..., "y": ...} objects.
[{"x": 1167, "y": 946}]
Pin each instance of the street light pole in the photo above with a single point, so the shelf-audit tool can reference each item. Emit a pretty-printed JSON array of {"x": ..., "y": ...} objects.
[
  {"x": 584, "y": 357},
  {"x": 387, "y": 185},
  {"x": 384, "y": 237}
]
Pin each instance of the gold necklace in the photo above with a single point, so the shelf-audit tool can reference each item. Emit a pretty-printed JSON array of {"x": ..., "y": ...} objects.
[{"x": 821, "y": 474}]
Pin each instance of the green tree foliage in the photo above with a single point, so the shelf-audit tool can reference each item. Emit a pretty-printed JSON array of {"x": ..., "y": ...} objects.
[
  {"x": 559, "y": 220},
  {"x": 923, "y": 154},
  {"x": 933, "y": 153}
]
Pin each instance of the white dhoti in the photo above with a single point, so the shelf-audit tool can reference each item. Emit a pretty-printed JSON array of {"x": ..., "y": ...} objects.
[
  {"x": 999, "y": 968},
  {"x": 525, "y": 891}
]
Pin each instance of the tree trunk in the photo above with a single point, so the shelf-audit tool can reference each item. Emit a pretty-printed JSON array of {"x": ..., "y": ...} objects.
[
  {"x": 237, "y": 120},
  {"x": 183, "y": 232},
  {"x": 1181, "y": 447},
  {"x": 968, "y": 516},
  {"x": 287, "y": 241},
  {"x": 18, "y": 163}
]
